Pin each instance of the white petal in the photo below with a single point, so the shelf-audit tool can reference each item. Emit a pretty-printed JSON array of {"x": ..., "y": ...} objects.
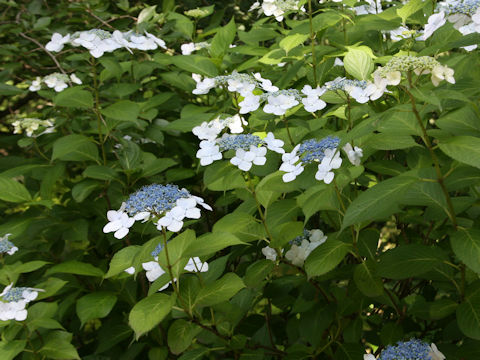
[{"x": 121, "y": 233}]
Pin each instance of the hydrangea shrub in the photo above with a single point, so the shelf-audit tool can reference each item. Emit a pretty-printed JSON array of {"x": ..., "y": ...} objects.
[{"x": 275, "y": 179}]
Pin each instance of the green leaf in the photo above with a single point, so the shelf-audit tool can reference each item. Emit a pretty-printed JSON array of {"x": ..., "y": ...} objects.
[
  {"x": 257, "y": 272},
  {"x": 100, "y": 172},
  {"x": 57, "y": 346},
  {"x": 222, "y": 176},
  {"x": 74, "y": 97},
  {"x": 465, "y": 149},
  {"x": 367, "y": 279},
  {"x": 358, "y": 63},
  {"x": 410, "y": 8},
  {"x": 75, "y": 148},
  {"x": 211, "y": 243},
  {"x": 223, "y": 38},
  {"x": 292, "y": 41},
  {"x": 468, "y": 313},
  {"x": 466, "y": 245},
  {"x": 10, "y": 349},
  {"x": 95, "y": 306},
  {"x": 219, "y": 291},
  {"x": 180, "y": 335},
  {"x": 149, "y": 312},
  {"x": 146, "y": 14},
  {"x": 13, "y": 191},
  {"x": 122, "y": 260},
  {"x": 326, "y": 257},
  {"x": 156, "y": 166},
  {"x": 409, "y": 260},
  {"x": 124, "y": 110},
  {"x": 240, "y": 224},
  {"x": 75, "y": 267},
  {"x": 9, "y": 90},
  {"x": 195, "y": 64},
  {"x": 379, "y": 201},
  {"x": 83, "y": 189}
]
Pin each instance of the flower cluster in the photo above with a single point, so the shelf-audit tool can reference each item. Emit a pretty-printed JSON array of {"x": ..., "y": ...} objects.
[
  {"x": 413, "y": 349},
  {"x": 99, "y": 42},
  {"x": 360, "y": 90},
  {"x": 392, "y": 71},
  {"x": 6, "y": 246},
  {"x": 301, "y": 247},
  {"x": 31, "y": 125},
  {"x": 322, "y": 151},
  {"x": 166, "y": 204},
  {"x": 189, "y": 48},
  {"x": 277, "y": 8},
  {"x": 249, "y": 149},
  {"x": 56, "y": 81},
  {"x": 277, "y": 101},
  {"x": 14, "y": 302}
]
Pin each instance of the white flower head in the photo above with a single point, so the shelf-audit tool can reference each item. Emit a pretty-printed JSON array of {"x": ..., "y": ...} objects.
[
  {"x": 330, "y": 161},
  {"x": 274, "y": 144},
  {"x": 245, "y": 159},
  {"x": 153, "y": 269},
  {"x": 354, "y": 154},
  {"x": 249, "y": 103},
  {"x": 195, "y": 265},
  {"x": 435, "y": 354},
  {"x": 270, "y": 254},
  {"x": 208, "y": 153},
  {"x": 435, "y": 22},
  {"x": 119, "y": 222}
]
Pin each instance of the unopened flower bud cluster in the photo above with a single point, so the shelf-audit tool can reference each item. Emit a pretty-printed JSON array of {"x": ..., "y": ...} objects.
[
  {"x": 392, "y": 71},
  {"x": 31, "y": 125}
]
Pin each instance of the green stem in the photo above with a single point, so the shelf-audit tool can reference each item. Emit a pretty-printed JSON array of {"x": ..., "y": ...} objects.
[
  {"x": 428, "y": 144},
  {"x": 259, "y": 208},
  {"x": 288, "y": 130},
  {"x": 97, "y": 112},
  {"x": 312, "y": 40}
]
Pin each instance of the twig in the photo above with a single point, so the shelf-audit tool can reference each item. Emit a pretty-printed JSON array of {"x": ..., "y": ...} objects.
[
  {"x": 100, "y": 19},
  {"x": 48, "y": 52}
]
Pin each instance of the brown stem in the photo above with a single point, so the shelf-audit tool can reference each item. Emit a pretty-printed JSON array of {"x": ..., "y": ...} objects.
[
  {"x": 428, "y": 144},
  {"x": 48, "y": 52}
]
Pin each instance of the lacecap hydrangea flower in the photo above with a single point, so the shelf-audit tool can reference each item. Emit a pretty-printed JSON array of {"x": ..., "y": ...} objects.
[
  {"x": 167, "y": 205},
  {"x": 324, "y": 152},
  {"x": 99, "y": 42},
  {"x": 189, "y": 48},
  {"x": 56, "y": 81},
  {"x": 413, "y": 349},
  {"x": 14, "y": 301},
  {"x": 421, "y": 65},
  {"x": 6, "y": 246},
  {"x": 361, "y": 90},
  {"x": 277, "y": 8},
  {"x": 249, "y": 149}
]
